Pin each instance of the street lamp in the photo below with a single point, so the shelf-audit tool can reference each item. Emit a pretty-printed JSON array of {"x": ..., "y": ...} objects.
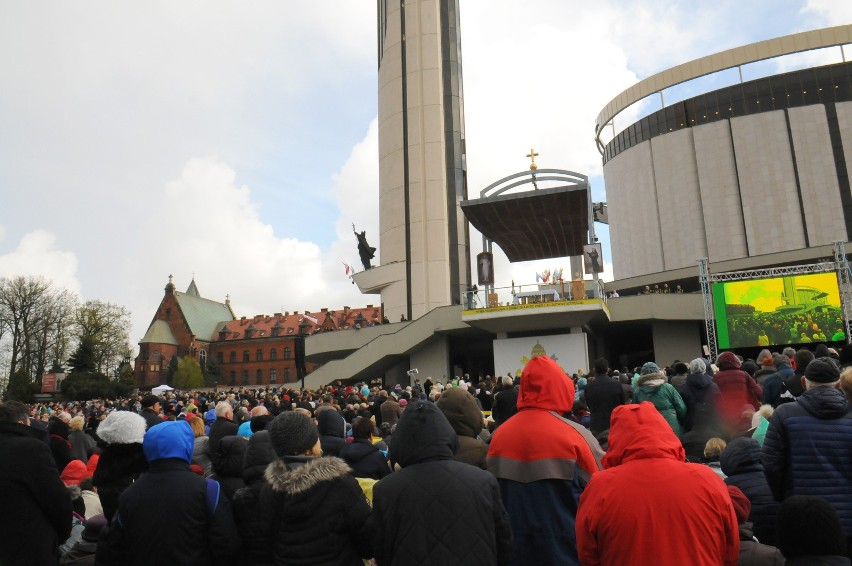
[{"x": 304, "y": 327}]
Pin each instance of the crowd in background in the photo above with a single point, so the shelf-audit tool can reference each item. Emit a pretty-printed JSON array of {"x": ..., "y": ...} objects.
[{"x": 747, "y": 461}]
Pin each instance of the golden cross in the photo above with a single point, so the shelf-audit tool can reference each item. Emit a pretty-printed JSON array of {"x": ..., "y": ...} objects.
[{"x": 532, "y": 155}]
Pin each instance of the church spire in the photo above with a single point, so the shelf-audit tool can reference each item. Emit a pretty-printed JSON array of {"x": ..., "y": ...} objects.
[{"x": 193, "y": 289}]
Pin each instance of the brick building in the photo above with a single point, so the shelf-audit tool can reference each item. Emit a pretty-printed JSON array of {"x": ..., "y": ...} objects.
[{"x": 258, "y": 350}]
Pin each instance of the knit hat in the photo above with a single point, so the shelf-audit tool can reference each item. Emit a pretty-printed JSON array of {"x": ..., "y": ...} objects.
[
  {"x": 403, "y": 403},
  {"x": 698, "y": 365},
  {"x": 742, "y": 506},
  {"x": 92, "y": 530},
  {"x": 649, "y": 367},
  {"x": 292, "y": 433},
  {"x": 122, "y": 427},
  {"x": 74, "y": 472},
  {"x": 764, "y": 358},
  {"x": 149, "y": 401},
  {"x": 728, "y": 360},
  {"x": 808, "y": 525},
  {"x": 822, "y": 370}
]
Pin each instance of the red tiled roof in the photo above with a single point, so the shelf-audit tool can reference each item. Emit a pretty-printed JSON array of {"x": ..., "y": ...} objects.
[{"x": 289, "y": 323}]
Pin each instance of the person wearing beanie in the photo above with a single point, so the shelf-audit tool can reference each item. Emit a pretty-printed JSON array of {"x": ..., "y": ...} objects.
[
  {"x": 435, "y": 509},
  {"x": 37, "y": 517},
  {"x": 122, "y": 459},
  {"x": 83, "y": 552},
  {"x": 652, "y": 386},
  {"x": 810, "y": 533},
  {"x": 736, "y": 389},
  {"x": 648, "y": 506},
  {"x": 808, "y": 445},
  {"x": 315, "y": 507},
  {"x": 332, "y": 431},
  {"x": 467, "y": 421},
  {"x": 170, "y": 507},
  {"x": 741, "y": 463},
  {"x": 542, "y": 462},
  {"x": 752, "y": 552}
]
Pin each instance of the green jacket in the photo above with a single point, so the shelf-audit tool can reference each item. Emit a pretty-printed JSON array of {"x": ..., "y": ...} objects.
[{"x": 665, "y": 398}]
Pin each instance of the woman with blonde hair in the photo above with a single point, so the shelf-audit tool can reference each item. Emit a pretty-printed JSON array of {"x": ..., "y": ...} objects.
[
  {"x": 81, "y": 443},
  {"x": 199, "y": 452}
]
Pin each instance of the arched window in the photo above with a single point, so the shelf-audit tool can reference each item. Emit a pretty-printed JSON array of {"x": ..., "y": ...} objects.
[
  {"x": 233, "y": 378},
  {"x": 287, "y": 352},
  {"x": 245, "y": 377},
  {"x": 259, "y": 376},
  {"x": 259, "y": 356},
  {"x": 233, "y": 358},
  {"x": 273, "y": 354},
  {"x": 155, "y": 357},
  {"x": 245, "y": 355},
  {"x": 202, "y": 358},
  {"x": 273, "y": 375}
]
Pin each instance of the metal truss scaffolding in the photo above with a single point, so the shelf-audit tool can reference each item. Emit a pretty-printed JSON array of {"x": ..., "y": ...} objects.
[{"x": 840, "y": 265}]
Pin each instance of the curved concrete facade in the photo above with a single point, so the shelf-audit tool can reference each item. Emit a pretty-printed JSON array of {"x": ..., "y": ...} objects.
[{"x": 758, "y": 179}]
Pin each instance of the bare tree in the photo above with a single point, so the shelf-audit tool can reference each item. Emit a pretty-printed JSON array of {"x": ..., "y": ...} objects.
[
  {"x": 35, "y": 318},
  {"x": 109, "y": 327}
]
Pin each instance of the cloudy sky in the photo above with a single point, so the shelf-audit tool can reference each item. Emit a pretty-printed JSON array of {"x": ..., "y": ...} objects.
[{"x": 237, "y": 141}]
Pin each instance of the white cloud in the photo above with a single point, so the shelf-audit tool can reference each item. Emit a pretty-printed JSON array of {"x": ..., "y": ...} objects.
[{"x": 38, "y": 255}]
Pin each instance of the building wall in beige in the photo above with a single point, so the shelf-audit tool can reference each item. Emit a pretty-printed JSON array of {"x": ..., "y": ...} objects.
[
  {"x": 817, "y": 175},
  {"x": 427, "y": 234},
  {"x": 770, "y": 200},
  {"x": 679, "y": 198},
  {"x": 720, "y": 192},
  {"x": 633, "y": 214}
]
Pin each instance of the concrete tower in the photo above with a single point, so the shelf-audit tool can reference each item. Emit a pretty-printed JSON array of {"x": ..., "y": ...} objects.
[{"x": 424, "y": 240}]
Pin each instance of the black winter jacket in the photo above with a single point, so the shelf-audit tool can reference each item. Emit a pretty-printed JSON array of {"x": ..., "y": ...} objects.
[
  {"x": 602, "y": 394},
  {"x": 118, "y": 467},
  {"x": 60, "y": 447},
  {"x": 229, "y": 472},
  {"x": 37, "y": 508},
  {"x": 308, "y": 511},
  {"x": 220, "y": 428},
  {"x": 504, "y": 406},
  {"x": 164, "y": 517},
  {"x": 365, "y": 459},
  {"x": 436, "y": 510},
  {"x": 741, "y": 462},
  {"x": 259, "y": 454}
]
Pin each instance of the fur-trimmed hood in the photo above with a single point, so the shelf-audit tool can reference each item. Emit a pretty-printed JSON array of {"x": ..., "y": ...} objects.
[
  {"x": 652, "y": 379},
  {"x": 298, "y": 477}
]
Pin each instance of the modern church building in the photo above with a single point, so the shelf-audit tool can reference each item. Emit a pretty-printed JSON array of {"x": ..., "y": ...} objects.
[{"x": 748, "y": 175}]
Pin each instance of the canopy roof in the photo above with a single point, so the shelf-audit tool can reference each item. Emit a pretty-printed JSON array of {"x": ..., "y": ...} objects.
[{"x": 534, "y": 224}]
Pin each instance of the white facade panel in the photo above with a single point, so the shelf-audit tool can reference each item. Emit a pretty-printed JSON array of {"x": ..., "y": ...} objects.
[{"x": 770, "y": 200}]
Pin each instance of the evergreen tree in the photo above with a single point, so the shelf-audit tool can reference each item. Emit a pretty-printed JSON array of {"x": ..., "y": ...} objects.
[
  {"x": 173, "y": 366},
  {"x": 83, "y": 359},
  {"x": 21, "y": 387}
]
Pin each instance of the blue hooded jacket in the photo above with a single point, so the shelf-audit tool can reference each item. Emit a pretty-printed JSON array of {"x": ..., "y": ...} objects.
[{"x": 170, "y": 439}]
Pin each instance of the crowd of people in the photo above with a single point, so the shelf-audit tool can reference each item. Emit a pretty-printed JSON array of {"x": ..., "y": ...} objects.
[
  {"x": 724, "y": 461},
  {"x": 762, "y": 329}
]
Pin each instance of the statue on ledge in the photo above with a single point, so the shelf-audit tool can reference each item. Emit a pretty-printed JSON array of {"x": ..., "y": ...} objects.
[{"x": 364, "y": 250}]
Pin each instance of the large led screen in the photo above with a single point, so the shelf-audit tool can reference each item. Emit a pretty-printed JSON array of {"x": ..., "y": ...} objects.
[{"x": 798, "y": 309}]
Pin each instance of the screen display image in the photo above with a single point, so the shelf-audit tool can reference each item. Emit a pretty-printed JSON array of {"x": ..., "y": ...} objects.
[{"x": 798, "y": 309}]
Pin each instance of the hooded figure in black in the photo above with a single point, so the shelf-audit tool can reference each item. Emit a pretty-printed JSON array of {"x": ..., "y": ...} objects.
[
  {"x": 436, "y": 510},
  {"x": 332, "y": 431},
  {"x": 741, "y": 462}
]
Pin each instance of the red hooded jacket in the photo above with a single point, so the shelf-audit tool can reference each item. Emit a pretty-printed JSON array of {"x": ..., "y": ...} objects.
[
  {"x": 649, "y": 506},
  {"x": 542, "y": 463}
]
